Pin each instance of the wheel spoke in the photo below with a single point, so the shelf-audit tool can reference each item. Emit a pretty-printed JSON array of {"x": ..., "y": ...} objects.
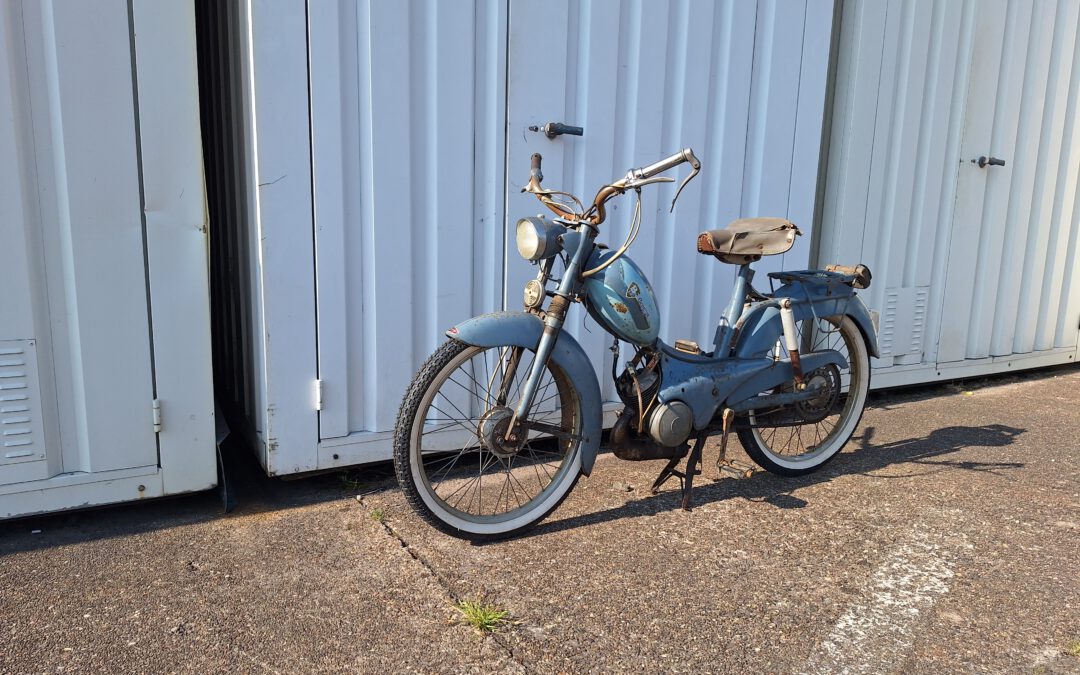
[
  {"x": 516, "y": 480},
  {"x": 450, "y": 468},
  {"x": 451, "y": 418},
  {"x": 806, "y": 431},
  {"x": 467, "y": 390}
]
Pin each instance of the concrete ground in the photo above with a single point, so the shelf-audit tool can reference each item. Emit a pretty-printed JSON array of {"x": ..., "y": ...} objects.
[{"x": 946, "y": 538}]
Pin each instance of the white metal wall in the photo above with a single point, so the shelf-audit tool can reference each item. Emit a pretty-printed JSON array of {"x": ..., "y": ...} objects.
[
  {"x": 742, "y": 83},
  {"x": 391, "y": 208},
  {"x": 102, "y": 257},
  {"x": 975, "y": 269},
  {"x": 408, "y": 104}
]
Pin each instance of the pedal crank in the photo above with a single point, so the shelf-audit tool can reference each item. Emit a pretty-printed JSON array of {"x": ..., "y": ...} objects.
[
  {"x": 725, "y": 466},
  {"x": 733, "y": 469}
]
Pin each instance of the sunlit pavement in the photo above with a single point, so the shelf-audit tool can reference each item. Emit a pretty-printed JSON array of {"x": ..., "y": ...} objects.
[{"x": 945, "y": 538}]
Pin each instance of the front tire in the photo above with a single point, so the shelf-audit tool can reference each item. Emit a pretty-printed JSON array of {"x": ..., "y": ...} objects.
[
  {"x": 799, "y": 439},
  {"x": 451, "y": 472}
]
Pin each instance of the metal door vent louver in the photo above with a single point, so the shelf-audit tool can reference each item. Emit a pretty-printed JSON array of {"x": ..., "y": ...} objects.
[
  {"x": 903, "y": 322},
  {"x": 21, "y": 438}
]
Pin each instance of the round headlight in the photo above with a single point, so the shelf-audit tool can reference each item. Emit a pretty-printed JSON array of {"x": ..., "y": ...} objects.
[{"x": 537, "y": 238}]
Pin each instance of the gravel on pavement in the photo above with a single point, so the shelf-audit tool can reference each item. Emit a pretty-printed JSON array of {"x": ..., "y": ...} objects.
[{"x": 945, "y": 538}]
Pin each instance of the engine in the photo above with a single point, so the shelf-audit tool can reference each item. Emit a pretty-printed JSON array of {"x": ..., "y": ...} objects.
[
  {"x": 638, "y": 386},
  {"x": 659, "y": 433}
]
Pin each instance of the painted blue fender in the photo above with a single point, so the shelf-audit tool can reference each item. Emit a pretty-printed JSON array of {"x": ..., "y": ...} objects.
[
  {"x": 760, "y": 325},
  {"x": 524, "y": 330}
]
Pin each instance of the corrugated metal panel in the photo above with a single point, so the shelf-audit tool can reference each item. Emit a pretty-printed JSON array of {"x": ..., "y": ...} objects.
[
  {"x": 253, "y": 68},
  {"x": 174, "y": 213},
  {"x": 102, "y": 256},
  {"x": 989, "y": 254},
  {"x": 408, "y": 146},
  {"x": 74, "y": 210},
  {"x": 418, "y": 146}
]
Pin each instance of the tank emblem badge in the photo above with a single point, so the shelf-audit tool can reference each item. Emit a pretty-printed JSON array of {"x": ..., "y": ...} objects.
[{"x": 637, "y": 310}]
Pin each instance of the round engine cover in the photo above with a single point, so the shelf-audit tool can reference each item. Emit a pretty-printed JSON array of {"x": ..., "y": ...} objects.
[{"x": 670, "y": 424}]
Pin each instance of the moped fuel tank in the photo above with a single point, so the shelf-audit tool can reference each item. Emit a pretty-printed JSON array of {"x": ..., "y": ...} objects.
[{"x": 620, "y": 298}]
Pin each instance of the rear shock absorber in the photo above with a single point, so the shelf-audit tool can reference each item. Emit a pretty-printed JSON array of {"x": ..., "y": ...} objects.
[{"x": 791, "y": 341}]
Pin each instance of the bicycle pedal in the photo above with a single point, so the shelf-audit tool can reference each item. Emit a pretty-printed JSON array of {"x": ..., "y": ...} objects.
[{"x": 733, "y": 469}]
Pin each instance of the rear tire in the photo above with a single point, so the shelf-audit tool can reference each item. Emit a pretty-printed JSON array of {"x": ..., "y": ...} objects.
[
  {"x": 782, "y": 440},
  {"x": 473, "y": 492}
]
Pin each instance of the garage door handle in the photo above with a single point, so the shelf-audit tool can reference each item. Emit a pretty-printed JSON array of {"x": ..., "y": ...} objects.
[
  {"x": 992, "y": 161},
  {"x": 553, "y": 129}
]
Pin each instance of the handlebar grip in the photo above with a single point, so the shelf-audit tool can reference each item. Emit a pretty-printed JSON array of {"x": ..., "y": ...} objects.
[
  {"x": 685, "y": 155},
  {"x": 534, "y": 167},
  {"x": 861, "y": 274}
]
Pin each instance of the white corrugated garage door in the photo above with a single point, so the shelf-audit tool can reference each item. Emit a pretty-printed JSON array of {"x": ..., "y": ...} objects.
[
  {"x": 104, "y": 309},
  {"x": 401, "y": 145},
  {"x": 975, "y": 267}
]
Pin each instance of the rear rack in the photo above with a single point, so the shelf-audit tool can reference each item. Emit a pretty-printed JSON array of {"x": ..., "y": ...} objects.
[
  {"x": 812, "y": 277},
  {"x": 856, "y": 276}
]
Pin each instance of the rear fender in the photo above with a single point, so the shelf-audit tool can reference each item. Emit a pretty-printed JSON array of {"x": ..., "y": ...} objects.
[
  {"x": 524, "y": 330},
  {"x": 760, "y": 327}
]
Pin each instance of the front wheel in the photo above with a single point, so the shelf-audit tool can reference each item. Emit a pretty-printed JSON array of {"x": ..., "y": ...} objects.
[
  {"x": 797, "y": 439},
  {"x": 452, "y": 455}
]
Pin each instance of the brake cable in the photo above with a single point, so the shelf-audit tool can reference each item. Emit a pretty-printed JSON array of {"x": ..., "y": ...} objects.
[{"x": 635, "y": 227}]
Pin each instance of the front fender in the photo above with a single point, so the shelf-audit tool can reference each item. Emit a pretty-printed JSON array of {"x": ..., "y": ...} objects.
[{"x": 524, "y": 330}]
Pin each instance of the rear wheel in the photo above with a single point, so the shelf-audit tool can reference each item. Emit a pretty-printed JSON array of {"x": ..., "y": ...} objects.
[
  {"x": 793, "y": 440},
  {"x": 452, "y": 455}
]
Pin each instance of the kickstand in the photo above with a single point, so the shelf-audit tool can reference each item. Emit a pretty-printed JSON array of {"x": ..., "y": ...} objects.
[
  {"x": 692, "y": 470},
  {"x": 668, "y": 471}
]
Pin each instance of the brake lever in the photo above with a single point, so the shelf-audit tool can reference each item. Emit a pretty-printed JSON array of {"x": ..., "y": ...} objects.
[
  {"x": 693, "y": 174},
  {"x": 634, "y": 184}
]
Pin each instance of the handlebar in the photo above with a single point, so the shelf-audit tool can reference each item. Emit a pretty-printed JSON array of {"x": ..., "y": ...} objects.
[{"x": 635, "y": 178}]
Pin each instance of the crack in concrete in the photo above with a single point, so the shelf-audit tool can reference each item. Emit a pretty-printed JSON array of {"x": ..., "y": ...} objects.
[{"x": 443, "y": 583}]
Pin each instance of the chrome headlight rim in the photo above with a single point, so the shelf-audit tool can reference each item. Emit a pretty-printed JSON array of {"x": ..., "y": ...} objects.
[{"x": 537, "y": 239}]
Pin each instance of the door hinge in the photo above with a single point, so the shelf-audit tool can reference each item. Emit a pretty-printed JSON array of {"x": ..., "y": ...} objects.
[
  {"x": 318, "y": 394},
  {"x": 157, "y": 416}
]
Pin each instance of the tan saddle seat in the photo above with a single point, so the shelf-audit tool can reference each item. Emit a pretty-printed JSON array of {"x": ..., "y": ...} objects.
[{"x": 746, "y": 240}]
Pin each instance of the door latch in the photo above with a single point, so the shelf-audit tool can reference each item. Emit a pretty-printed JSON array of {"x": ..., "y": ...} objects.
[
  {"x": 553, "y": 129},
  {"x": 984, "y": 161}
]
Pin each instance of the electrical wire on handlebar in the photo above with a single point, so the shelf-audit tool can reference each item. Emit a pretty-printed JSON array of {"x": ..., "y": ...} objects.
[
  {"x": 635, "y": 227},
  {"x": 561, "y": 209}
]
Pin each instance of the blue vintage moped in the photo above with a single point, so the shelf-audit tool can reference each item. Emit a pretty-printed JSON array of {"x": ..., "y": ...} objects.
[{"x": 500, "y": 422}]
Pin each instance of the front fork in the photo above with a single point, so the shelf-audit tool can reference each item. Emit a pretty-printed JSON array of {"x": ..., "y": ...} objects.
[{"x": 553, "y": 323}]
